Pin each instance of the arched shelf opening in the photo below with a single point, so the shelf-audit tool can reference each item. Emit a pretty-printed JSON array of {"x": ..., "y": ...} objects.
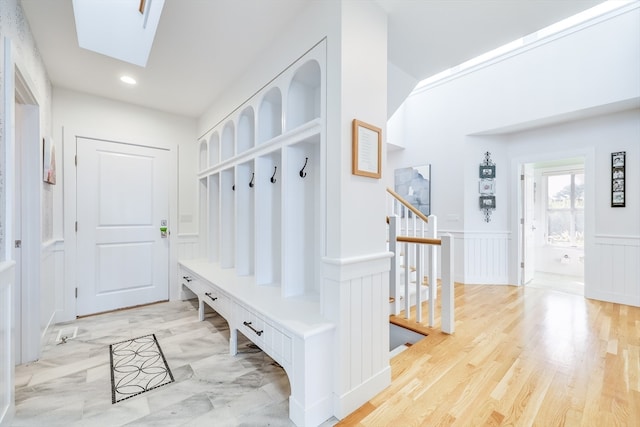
[
  {"x": 202, "y": 156},
  {"x": 214, "y": 149},
  {"x": 226, "y": 144},
  {"x": 270, "y": 116},
  {"x": 303, "y": 101},
  {"x": 246, "y": 130}
]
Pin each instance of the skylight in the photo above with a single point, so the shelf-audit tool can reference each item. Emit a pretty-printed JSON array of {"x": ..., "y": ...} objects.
[
  {"x": 121, "y": 29},
  {"x": 556, "y": 28}
]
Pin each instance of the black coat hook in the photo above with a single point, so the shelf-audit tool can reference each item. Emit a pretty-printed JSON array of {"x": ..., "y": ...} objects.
[
  {"x": 273, "y": 177},
  {"x": 251, "y": 184},
  {"x": 302, "y": 172}
]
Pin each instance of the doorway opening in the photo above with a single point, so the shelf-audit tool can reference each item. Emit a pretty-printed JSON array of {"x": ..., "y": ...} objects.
[
  {"x": 553, "y": 226},
  {"x": 26, "y": 220}
]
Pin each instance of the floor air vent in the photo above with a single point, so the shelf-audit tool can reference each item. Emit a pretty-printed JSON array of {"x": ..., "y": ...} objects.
[{"x": 66, "y": 334}]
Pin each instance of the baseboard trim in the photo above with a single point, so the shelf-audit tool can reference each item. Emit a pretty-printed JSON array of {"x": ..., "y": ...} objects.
[{"x": 353, "y": 399}]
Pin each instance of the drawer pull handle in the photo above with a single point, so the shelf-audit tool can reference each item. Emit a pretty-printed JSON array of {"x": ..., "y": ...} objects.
[
  {"x": 187, "y": 278},
  {"x": 209, "y": 295},
  {"x": 248, "y": 325}
]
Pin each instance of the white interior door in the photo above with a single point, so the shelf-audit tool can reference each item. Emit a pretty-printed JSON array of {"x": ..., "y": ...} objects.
[
  {"x": 528, "y": 223},
  {"x": 122, "y": 203}
]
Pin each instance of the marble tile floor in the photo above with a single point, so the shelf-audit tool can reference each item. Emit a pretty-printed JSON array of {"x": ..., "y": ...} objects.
[{"x": 71, "y": 385}]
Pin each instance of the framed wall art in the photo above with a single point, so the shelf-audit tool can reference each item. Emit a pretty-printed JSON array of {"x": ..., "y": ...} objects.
[
  {"x": 618, "y": 179},
  {"x": 487, "y": 202},
  {"x": 487, "y": 171},
  {"x": 48, "y": 161},
  {"x": 413, "y": 183},
  {"x": 366, "y": 150},
  {"x": 487, "y": 186}
]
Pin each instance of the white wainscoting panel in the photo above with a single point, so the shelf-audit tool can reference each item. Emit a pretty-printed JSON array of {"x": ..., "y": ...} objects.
[
  {"x": 486, "y": 257},
  {"x": 7, "y": 397},
  {"x": 613, "y": 272},
  {"x": 355, "y": 296},
  {"x": 52, "y": 304},
  {"x": 189, "y": 246}
]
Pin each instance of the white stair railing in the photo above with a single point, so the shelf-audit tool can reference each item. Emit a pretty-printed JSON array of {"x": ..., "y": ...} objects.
[
  {"x": 410, "y": 230},
  {"x": 447, "y": 312},
  {"x": 410, "y": 222}
]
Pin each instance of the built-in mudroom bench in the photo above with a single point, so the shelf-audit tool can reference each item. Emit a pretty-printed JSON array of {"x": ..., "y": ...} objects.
[
  {"x": 262, "y": 191},
  {"x": 290, "y": 330}
]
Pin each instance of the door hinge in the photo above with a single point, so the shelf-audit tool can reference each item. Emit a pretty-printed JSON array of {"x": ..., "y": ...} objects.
[
  {"x": 76, "y": 226},
  {"x": 18, "y": 244},
  {"x": 521, "y": 176},
  {"x": 76, "y": 160},
  {"x": 76, "y": 292},
  {"x": 521, "y": 266},
  {"x": 521, "y": 221}
]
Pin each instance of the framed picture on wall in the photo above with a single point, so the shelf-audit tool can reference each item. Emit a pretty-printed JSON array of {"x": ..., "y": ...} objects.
[
  {"x": 618, "y": 180},
  {"x": 487, "y": 186},
  {"x": 366, "y": 149},
  {"x": 48, "y": 161},
  {"x": 487, "y": 171},
  {"x": 487, "y": 202},
  {"x": 413, "y": 184}
]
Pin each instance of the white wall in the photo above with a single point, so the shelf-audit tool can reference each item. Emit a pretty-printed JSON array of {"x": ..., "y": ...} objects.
[
  {"x": 584, "y": 73},
  {"x": 78, "y": 114},
  {"x": 18, "y": 51}
]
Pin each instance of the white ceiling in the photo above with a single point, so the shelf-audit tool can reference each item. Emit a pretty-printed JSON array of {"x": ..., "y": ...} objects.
[{"x": 201, "y": 46}]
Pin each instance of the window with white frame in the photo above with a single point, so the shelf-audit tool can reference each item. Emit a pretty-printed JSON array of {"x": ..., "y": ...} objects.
[{"x": 565, "y": 208}]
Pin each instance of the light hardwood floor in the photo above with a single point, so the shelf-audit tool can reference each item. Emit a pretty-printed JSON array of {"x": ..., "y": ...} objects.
[{"x": 520, "y": 356}]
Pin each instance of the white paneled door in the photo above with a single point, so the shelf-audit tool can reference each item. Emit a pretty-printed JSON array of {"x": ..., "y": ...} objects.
[{"x": 122, "y": 204}]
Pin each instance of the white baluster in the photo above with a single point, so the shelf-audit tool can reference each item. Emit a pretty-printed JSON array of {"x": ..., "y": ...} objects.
[
  {"x": 418, "y": 285},
  {"x": 407, "y": 305}
]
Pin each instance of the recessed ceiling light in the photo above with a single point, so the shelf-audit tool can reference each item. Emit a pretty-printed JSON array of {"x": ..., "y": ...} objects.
[{"x": 128, "y": 80}]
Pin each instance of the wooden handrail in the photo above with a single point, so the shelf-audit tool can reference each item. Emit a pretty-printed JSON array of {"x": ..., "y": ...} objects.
[
  {"x": 408, "y": 205},
  {"x": 421, "y": 240}
]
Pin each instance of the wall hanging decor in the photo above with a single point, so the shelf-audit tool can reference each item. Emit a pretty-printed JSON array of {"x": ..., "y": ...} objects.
[
  {"x": 617, "y": 179},
  {"x": 366, "y": 150},
  {"x": 413, "y": 183},
  {"x": 487, "y": 186},
  {"x": 48, "y": 160}
]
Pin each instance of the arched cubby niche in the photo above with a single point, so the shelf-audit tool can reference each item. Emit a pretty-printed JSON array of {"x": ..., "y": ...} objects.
[
  {"x": 245, "y": 218},
  {"x": 202, "y": 156},
  {"x": 270, "y": 115},
  {"x": 227, "y": 142},
  {"x": 214, "y": 218},
  {"x": 227, "y": 218},
  {"x": 269, "y": 221},
  {"x": 214, "y": 149},
  {"x": 301, "y": 214},
  {"x": 203, "y": 214},
  {"x": 246, "y": 130},
  {"x": 303, "y": 100}
]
